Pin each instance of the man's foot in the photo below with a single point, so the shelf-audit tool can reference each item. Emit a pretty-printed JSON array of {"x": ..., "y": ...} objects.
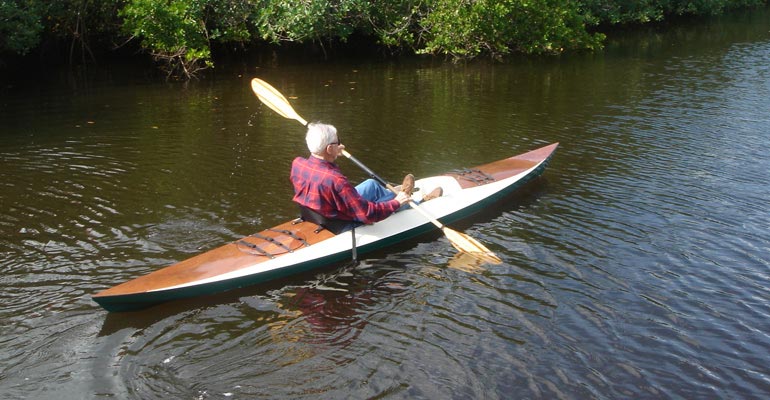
[
  {"x": 408, "y": 185},
  {"x": 437, "y": 192}
]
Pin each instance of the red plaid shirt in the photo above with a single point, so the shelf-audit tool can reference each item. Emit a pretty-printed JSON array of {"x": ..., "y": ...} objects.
[{"x": 321, "y": 186}]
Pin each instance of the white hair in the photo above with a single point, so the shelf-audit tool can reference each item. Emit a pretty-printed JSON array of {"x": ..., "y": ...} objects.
[{"x": 319, "y": 136}]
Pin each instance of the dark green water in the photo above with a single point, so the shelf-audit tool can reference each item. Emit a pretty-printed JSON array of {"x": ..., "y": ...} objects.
[{"x": 636, "y": 267}]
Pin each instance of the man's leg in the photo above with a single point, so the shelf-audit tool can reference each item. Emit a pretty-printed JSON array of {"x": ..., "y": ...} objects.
[{"x": 373, "y": 191}]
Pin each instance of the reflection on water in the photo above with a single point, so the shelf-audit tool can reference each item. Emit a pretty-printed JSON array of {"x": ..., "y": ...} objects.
[{"x": 635, "y": 267}]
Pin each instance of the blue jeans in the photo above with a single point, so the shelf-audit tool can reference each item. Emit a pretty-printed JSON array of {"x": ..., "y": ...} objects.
[{"x": 373, "y": 191}]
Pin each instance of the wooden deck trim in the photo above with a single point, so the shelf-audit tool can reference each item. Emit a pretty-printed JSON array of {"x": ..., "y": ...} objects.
[{"x": 221, "y": 260}]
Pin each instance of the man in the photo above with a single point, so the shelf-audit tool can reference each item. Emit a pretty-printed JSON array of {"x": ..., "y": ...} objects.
[{"x": 320, "y": 185}]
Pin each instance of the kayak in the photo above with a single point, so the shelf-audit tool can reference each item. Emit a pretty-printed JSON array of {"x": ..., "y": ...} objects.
[{"x": 299, "y": 245}]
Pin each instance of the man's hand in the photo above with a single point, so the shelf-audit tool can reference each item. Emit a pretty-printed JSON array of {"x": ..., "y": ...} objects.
[{"x": 403, "y": 198}]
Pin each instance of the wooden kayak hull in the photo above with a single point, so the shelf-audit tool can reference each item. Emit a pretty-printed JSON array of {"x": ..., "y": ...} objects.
[{"x": 298, "y": 246}]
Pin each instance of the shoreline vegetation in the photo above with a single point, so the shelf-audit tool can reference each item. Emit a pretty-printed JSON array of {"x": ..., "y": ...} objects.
[{"x": 185, "y": 37}]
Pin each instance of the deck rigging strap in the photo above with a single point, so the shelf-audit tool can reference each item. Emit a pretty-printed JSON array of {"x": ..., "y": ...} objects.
[
  {"x": 291, "y": 234},
  {"x": 273, "y": 241},
  {"x": 254, "y": 247},
  {"x": 474, "y": 175}
]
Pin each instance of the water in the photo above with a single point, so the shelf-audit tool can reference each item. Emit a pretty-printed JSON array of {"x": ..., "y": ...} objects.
[{"x": 636, "y": 267}]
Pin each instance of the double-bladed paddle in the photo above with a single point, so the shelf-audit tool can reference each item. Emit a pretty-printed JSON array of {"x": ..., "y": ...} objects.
[{"x": 462, "y": 242}]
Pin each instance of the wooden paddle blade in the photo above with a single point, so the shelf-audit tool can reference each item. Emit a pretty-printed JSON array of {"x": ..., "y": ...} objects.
[
  {"x": 465, "y": 262},
  {"x": 467, "y": 244},
  {"x": 275, "y": 100}
]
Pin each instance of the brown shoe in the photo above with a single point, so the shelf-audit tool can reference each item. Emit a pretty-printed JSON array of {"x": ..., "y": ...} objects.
[
  {"x": 408, "y": 185},
  {"x": 437, "y": 192}
]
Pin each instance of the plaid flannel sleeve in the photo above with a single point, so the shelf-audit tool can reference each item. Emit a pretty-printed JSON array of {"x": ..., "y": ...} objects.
[{"x": 352, "y": 205}]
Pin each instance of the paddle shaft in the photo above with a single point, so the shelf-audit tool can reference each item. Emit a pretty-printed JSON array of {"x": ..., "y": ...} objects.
[{"x": 365, "y": 168}]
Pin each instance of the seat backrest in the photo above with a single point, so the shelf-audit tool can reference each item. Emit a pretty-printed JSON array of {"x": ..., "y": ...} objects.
[{"x": 334, "y": 226}]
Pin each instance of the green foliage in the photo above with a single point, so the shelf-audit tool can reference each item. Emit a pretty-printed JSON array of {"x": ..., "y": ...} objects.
[
  {"x": 708, "y": 7},
  {"x": 79, "y": 23},
  {"x": 179, "y": 33},
  {"x": 305, "y": 20},
  {"x": 20, "y": 26},
  {"x": 395, "y": 23},
  {"x": 229, "y": 20},
  {"x": 174, "y": 31},
  {"x": 612, "y": 12},
  {"x": 74, "y": 19},
  {"x": 465, "y": 28},
  {"x": 24, "y": 25}
]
